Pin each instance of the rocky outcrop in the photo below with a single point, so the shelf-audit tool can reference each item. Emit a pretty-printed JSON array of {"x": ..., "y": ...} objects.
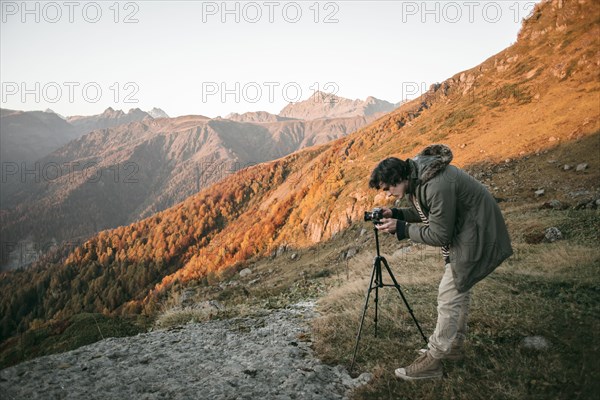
[{"x": 268, "y": 357}]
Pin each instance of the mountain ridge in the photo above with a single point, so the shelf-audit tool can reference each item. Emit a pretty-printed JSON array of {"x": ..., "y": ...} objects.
[{"x": 116, "y": 175}]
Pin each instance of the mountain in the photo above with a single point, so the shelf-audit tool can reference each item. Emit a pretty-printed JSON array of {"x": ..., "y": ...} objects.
[
  {"x": 29, "y": 135},
  {"x": 325, "y": 105},
  {"x": 26, "y": 136},
  {"x": 109, "y": 118},
  {"x": 115, "y": 176},
  {"x": 38, "y": 211},
  {"x": 157, "y": 113},
  {"x": 539, "y": 94}
]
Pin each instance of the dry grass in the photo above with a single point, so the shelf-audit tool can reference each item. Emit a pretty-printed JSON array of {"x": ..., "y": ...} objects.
[{"x": 175, "y": 317}]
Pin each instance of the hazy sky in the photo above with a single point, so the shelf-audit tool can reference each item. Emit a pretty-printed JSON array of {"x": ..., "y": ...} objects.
[{"x": 213, "y": 58}]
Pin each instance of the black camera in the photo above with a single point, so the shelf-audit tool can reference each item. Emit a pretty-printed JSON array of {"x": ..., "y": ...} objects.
[{"x": 376, "y": 215}]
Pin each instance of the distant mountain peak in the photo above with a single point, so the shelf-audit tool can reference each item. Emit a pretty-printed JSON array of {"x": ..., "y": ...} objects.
[
  {"x": 324, "y": 95},
  {"x": 137, "y": 112},
  {"x": 157, "y": 113},
  {"x": 50, "y": 111},
  {"x": 110, "y": 117},
  {"x": 327, "y": 105},
  {"x": 112, "y": 113}
]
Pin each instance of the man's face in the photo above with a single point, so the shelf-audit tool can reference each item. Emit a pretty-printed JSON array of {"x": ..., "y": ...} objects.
[{"x": 397, "y": 190}]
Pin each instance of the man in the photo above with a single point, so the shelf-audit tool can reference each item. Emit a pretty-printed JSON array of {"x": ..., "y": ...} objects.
[{"x": 458, "y": 214}]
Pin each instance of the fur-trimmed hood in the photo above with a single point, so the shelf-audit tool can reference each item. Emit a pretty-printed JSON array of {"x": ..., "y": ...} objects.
[{"x": 431, "y": 161}]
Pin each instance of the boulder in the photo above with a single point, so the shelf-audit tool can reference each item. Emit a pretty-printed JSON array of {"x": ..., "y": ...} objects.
[
  {"x": 245, "y": 272},
  {"x": 554, "y": 205},
  {"x": 280, "y": 250},
  {"x": 538, "y": 343},
  {"x": 351, "y": 253},
  {"x": 553, "y": 234},
  {"x": 581, "y": 167}
]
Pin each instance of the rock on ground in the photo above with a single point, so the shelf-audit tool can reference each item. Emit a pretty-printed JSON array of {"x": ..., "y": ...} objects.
[
  {"x": 553, "y": 234},
  {"x": 535, "y": 343},
  {"x": 243, "y": 358}
]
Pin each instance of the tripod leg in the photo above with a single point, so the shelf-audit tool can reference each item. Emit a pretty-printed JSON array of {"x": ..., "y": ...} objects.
[
  {"x": 362, "y": 320},
  {"x": 397, "y": 286},
  {"x": 376, "y": 307},
  {"x": 378, "y": 283}
]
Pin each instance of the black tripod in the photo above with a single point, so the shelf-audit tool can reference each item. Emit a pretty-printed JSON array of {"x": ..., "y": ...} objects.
[{"x": 376, "y": 283}]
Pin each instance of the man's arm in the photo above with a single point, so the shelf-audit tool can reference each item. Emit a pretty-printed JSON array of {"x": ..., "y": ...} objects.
[{"x": 406, "y": 214}]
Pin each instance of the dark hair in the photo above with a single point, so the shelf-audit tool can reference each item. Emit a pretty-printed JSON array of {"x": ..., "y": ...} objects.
[{"x": 390, "y": 171}]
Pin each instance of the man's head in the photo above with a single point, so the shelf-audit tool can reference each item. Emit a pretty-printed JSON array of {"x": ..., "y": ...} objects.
[{"x": 391, "y": 175}]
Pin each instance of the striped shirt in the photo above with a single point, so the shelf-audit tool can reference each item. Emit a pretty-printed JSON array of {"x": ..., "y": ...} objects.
[{"x": 446, "y": 248}]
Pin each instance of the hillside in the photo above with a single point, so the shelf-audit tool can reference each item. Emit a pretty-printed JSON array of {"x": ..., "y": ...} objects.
[
  {"x": 26, "y": 137},
  {"x": 537, "y": 95}
]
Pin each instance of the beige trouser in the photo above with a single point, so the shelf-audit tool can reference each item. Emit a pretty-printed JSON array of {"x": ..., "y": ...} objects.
[{"x": 453, "y": 311}]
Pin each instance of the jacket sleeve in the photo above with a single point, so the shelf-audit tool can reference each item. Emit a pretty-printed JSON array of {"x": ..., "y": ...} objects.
[
  {"x": 441, "y": 200},
  {"x": 406, "y": 214}
]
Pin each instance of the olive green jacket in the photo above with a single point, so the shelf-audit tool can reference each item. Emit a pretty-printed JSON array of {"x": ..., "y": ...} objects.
[{"x": 461, "y": 213}]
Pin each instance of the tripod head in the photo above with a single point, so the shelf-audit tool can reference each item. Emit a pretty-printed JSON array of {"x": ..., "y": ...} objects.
[{"x": 375, "y": 216}]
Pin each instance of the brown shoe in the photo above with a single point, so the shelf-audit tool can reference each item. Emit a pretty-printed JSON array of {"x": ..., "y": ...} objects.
[{"x": 424, "y": 367}]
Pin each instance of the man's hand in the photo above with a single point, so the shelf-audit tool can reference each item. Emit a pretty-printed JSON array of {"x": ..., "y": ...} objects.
[
  {"x": 387, "y": 224},
  {"x": 387, "y": 212},
  {"x": 393, "y": 226}
]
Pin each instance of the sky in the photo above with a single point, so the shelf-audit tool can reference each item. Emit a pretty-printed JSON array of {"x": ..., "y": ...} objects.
[{"x": 214, "y": 57}]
